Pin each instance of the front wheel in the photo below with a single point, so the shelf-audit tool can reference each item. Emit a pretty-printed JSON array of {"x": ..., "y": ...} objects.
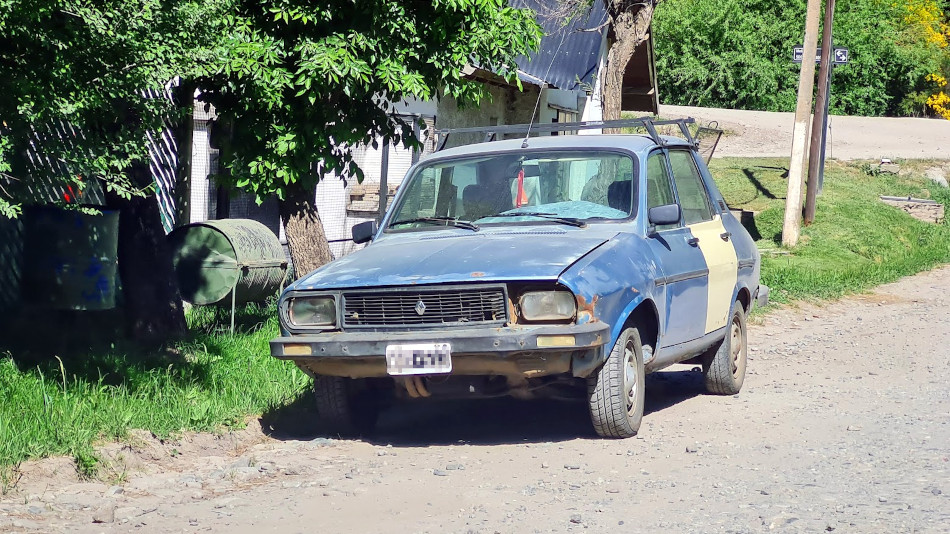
[
  {"x": 724, "y": 364},
  {"x": 345, "y": 406},
  {"x": 616, "y": 391}
]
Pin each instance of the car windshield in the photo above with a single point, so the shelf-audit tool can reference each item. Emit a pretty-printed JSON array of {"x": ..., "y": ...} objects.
[{"x": 543, "y": 187}]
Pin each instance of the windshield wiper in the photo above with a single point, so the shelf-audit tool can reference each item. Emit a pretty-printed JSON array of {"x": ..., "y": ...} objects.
[
  {"x": 549, "y": 216},
  {"x": 447, "y": 220}
]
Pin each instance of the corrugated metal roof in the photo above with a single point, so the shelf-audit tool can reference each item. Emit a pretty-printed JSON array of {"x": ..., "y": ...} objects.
[{"x": 567, "y": 57}]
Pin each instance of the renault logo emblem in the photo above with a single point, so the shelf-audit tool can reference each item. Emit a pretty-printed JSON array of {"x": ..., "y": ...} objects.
[{"x": 420, "y": 307}]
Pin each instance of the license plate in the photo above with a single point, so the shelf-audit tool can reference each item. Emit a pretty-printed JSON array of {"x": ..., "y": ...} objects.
[{"x": 419, "y": 359}]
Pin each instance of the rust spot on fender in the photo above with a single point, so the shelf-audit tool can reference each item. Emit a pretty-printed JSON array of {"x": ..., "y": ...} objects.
[
  {"x": 585, "y": 310},
  {"x": 478, "y": 274},
  {"x": 512, "y": 312}
]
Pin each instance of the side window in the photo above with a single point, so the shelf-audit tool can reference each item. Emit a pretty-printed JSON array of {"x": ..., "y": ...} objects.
[
  {"x": 689, "y": 187},
  {"x": 659, "y": 191}
]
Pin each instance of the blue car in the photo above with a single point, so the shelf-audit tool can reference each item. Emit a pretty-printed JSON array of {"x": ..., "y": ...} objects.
[{"x": 563, "y": 266}]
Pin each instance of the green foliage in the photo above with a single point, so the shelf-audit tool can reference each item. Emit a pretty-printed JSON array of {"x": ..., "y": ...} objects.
[
  {"x": 856, "y": 241},
  {"x": 62, "y": 406},
  {"x": 301, "y": 86},
  {"x": 74, "y": 77},
  {"x": 297, "y": 84},
  {"x": 737, "y": 54}
]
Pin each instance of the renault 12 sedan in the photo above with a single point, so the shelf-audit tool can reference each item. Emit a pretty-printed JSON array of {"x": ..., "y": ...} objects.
[{"x": 563, "y": 266}]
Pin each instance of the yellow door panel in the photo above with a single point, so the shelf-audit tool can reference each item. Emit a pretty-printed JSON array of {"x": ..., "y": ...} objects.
[{"x": 723, "y": 268}]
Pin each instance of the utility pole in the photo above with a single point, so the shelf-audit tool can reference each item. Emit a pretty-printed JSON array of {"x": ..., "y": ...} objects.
[
  {"x": 806, "y": 84},
  {"x": 817, "y": 149}
]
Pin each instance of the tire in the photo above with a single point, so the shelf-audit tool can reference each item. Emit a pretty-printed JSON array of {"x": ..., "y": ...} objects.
[
  {"x": 724, "y": 364},
  {"x": 616, "y": 391},
  {"x": 345, "y": 406}
]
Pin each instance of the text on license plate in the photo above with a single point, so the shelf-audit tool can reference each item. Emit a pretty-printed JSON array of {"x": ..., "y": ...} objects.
[{"x": 419, "y": 359}]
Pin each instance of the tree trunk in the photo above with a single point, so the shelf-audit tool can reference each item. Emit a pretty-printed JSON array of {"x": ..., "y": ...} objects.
[
  {"x": 628, "y": 29},
  {"x": 308, "y": 244},
  {"x": 153, "y": 306}
]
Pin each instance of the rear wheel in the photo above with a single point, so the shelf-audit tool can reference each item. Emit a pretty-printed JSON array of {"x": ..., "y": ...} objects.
[
  {"x": 346, "y": 406},
  {"x": 616, "y": 392},
  {"x": 724, "y": 364}
]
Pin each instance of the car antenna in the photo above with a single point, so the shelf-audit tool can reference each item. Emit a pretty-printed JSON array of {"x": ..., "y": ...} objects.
[{"x": 544, "y": 83}]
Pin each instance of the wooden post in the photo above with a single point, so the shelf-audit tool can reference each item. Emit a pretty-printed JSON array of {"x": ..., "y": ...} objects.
[
  {"x": 806, "y": 83},
  {"x": 817, "y": 149}
]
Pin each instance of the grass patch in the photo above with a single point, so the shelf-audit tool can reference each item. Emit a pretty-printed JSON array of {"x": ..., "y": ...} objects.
[
  {"x": 856, "y": 241},
  {"x": 59, "y": 401}
]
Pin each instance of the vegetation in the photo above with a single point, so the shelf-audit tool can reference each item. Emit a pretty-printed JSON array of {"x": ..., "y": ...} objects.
[
  {"x": 299, "y": 88},
  {"x": 856, "y": 241},
  {"x": 296, "y": 87},
  {"x": 83, "y": 84},
  {"x": 75, "y": 80},
  {"x": 737, "y": 54}
]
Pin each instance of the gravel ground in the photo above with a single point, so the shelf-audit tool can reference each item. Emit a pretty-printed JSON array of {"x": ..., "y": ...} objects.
[
  {"x": 843, "y": 426},
  {"x": 764, "y": 133}
]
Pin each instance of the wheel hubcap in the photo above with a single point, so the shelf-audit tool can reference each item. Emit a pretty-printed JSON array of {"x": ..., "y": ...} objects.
[
  {"x": 737, "y": 348},
  {"x": 630, "y": 377}
]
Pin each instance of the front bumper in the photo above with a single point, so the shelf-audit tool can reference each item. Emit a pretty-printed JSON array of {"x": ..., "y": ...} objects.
[{"x": 524, "y": 350}]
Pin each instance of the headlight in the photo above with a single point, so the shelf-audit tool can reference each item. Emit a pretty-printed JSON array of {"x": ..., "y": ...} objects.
[
  {"x": 548, "y": 306},
  {"x": 312, "y": 311}
]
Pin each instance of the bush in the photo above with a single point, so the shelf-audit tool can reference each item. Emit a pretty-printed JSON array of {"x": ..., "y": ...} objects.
[{"x": 737, "y": 54}]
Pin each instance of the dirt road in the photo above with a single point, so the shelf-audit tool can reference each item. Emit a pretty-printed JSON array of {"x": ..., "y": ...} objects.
[
  {"x": 843, "y": 425},
  {"x": 764, "y": 133}
]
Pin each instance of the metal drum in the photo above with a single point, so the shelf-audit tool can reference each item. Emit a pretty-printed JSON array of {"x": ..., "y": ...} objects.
[{"x": 228, "y": 261}]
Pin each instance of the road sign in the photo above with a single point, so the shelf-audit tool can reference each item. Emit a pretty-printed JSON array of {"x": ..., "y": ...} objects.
[{"x": 841, "y": 56}]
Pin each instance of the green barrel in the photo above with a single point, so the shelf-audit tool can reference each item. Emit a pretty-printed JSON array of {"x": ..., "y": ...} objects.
[
  {"x": 70, "y": 258},
  {"x": 212, "y": 258}
]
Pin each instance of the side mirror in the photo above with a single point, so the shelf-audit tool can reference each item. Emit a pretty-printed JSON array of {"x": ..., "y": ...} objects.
[
  {"x": 364, "y": 232},
  {"x": 662, "y": 215}
]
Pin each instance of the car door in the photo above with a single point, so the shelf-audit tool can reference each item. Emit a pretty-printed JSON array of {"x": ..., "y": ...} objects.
[
  {"x": 705, "y": 225},
  {"x": 682, "y": 265}
]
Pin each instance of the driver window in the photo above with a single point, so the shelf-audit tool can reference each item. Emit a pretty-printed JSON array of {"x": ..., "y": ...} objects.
[
  {"x": 689, "y": 188},
  {"x": 659, "y": 191}
]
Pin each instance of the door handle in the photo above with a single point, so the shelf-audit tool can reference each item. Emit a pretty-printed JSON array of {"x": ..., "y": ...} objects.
[
  {"x": 725, "y": 236},
  {"x": 693, "y": 241}
]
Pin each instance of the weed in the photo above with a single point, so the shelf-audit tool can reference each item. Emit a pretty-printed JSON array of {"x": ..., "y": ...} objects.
[
  {"x": 9, "y": 477},
  {"x": 87, "y": 463}
]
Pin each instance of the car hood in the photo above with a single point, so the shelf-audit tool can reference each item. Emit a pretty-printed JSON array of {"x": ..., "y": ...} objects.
[{"x": 441, "y": 257}]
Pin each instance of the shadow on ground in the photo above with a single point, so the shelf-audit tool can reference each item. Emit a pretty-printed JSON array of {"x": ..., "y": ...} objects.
[{"x": 483, "y": 421}]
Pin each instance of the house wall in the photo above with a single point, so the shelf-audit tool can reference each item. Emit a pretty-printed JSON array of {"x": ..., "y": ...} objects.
[
  {"x": 507, "y": 105},
  {"x": 203, "y": 163},
  {"x": 593, "y": 106}
]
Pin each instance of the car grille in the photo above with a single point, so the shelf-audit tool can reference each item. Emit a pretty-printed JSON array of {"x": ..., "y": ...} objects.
[{"x": 458, "y": 306}]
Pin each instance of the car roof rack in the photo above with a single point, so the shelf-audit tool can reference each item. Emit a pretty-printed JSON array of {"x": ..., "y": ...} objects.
[{"x": 492, "y": 132}]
